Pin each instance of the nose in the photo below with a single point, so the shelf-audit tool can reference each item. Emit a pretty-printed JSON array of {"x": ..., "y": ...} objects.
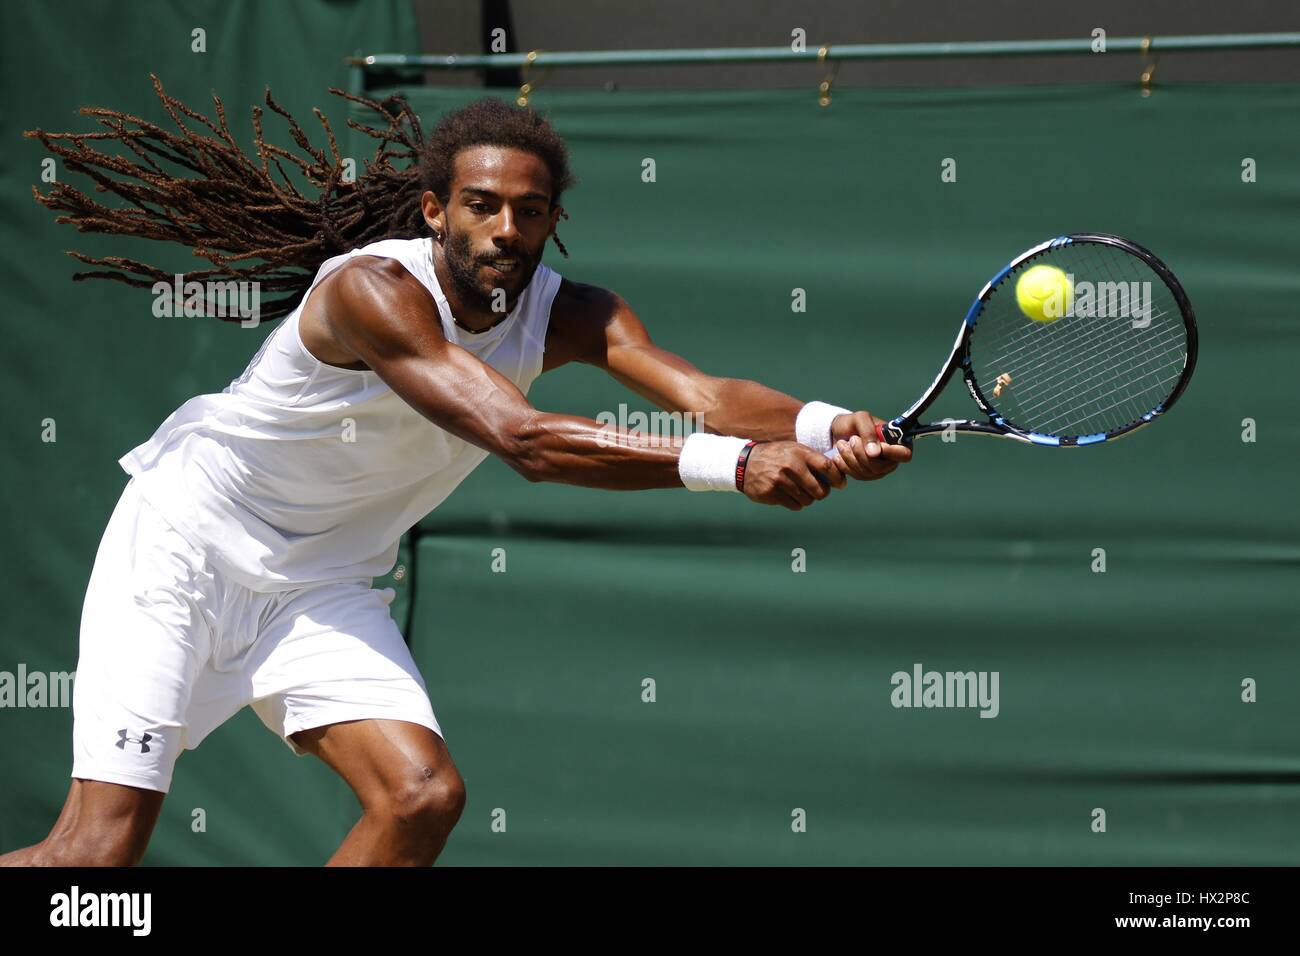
[{"x": 505, "y": 229}]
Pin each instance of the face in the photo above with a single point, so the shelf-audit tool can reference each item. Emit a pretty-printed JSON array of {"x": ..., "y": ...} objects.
[{"x": 496, "y": 222}]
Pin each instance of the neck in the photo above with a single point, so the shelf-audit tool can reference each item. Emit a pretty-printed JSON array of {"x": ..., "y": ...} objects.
[{"x": 470, "y": 314}]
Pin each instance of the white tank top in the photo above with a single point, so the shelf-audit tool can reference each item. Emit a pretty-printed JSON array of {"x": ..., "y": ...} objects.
[{"x": 301, "y": 472}]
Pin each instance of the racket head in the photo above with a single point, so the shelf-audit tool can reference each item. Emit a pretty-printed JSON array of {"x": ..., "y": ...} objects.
[{"x": 1111, "y": 358}]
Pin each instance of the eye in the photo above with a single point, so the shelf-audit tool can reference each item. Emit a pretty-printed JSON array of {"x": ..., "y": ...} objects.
[{"x": 479, "y": 206}]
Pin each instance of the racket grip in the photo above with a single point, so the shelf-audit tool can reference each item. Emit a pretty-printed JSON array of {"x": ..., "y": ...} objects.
[{"x": 891, "y": 434}]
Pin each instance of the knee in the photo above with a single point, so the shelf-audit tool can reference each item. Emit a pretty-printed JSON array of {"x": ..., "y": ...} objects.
[
  {"x": 429, "y": 804},
  {"x": 99, "y": 849}
]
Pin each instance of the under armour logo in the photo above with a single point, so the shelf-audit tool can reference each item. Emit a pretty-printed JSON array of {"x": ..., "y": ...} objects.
[{"x": 142, "y": 740}]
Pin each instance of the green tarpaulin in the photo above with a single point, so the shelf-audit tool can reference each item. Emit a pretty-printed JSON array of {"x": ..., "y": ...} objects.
[{"x": 1120, "y": 690}]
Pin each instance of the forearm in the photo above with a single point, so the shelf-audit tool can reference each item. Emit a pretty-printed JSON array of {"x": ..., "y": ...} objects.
[
  {"x": 752, "y": 410},
  {"x": 572, "y": 450}
]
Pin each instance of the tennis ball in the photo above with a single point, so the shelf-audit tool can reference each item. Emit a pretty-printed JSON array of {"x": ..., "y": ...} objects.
[{"x": 1044, "y": 293}]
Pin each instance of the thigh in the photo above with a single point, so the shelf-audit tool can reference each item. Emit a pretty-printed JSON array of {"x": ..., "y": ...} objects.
[
  {"x": 332, "y": 654},
  {"x": 145, "y": 638},
  {"x": 382, "y": 758}
]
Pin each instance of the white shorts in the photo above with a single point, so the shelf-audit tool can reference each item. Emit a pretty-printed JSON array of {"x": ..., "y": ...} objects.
[{"x": 171, "y": 649}]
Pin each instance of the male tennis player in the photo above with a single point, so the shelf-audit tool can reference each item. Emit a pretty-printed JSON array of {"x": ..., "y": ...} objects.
[{"x": 237, "y": 567}]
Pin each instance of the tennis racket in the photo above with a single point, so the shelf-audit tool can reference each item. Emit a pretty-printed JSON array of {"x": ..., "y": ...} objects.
[{"x": 1109, "y": 356}]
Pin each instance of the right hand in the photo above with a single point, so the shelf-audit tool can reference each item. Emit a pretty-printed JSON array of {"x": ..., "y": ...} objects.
[{"x": 785, "y": 473}]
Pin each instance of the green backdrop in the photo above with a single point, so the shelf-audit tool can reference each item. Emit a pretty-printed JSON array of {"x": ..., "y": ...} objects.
[{"x": 1118, "y": 690}]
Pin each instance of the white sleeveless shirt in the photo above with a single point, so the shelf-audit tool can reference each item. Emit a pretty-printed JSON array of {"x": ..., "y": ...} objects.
[{"x": 300, "y": 472}]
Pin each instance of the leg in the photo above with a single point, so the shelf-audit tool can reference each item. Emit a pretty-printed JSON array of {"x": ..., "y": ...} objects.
[
  {"x": 144, "y": 640},
  {"x": 338, "y": 681},
  {"x": 410, "y": 791},
  {"x": 101, "y": 824}
]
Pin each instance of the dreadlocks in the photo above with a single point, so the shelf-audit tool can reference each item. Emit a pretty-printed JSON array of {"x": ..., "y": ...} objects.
[{"x": 234, "y": 213}]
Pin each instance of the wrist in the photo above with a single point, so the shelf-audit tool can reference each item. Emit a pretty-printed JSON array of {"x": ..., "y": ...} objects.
[
  {"x": 742, "y": 464},
  {"x": 710, "y": 462},
  {"x": 812, "y": 426}
]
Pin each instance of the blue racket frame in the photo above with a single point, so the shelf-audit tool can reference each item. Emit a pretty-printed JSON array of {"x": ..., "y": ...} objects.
[{"x": 906, "y": 426}]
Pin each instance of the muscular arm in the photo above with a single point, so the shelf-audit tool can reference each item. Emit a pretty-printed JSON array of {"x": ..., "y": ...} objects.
[
  {"x": 599, "y": 328},
  {"x": 376, "y": 311}
]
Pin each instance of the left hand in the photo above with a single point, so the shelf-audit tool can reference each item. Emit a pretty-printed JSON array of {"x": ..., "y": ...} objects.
[{"x": 858, "y": 447}]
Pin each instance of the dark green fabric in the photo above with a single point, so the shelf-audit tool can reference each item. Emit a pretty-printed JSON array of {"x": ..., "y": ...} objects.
[
  {"x": 93, "y": 357},
  {"x": 1118, "y": 690}
]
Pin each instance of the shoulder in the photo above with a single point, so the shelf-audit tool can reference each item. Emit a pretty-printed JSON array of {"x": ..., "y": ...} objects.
[
  {"x": 584, "y": 319},
  {"x": 374, "y": 275},
  {"x": 373, "y": 289},
  {"x": 580, "y": 307},
  {"x": 578, "y": 301},
  {"x": 368, "y": 297}
]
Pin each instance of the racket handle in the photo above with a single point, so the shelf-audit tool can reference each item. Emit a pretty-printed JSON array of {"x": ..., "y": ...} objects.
[{"x": 891, "y": 434}]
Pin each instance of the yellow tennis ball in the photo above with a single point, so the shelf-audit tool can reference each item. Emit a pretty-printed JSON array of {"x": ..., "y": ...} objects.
[{"x": 1044, "y": 293}]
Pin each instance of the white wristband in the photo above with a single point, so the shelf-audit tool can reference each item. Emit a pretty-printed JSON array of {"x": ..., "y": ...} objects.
[
  {"x": 708, "y": 462},
  {"x": 812, "y": 426}
]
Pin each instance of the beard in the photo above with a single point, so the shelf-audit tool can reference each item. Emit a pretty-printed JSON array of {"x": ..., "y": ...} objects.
[{"x": 471, "y": 287}]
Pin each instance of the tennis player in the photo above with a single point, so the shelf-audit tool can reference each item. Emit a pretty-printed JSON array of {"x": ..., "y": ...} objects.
[{"x": 237, "y": 567}]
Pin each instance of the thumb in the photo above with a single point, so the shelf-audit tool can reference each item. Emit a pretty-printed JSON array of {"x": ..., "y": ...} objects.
[
  {"x": 828, "y": 467},
  {"x": 896, "y": 453}
]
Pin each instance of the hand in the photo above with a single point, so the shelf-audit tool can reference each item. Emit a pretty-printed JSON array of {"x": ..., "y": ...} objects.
[
  {"x": 858, "y": 449},
  {"x": 785, "y": 473}
]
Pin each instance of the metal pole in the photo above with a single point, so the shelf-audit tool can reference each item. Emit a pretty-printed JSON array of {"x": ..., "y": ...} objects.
[{"x": 858, "y": 51}]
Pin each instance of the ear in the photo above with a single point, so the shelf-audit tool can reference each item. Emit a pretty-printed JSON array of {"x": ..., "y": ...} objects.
[
  {"x": 556, "y": 215},
  {"x": 435, "y": 215}
]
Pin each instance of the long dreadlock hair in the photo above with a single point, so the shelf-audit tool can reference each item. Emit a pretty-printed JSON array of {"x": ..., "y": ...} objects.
[{"x": 234, "y": 213}]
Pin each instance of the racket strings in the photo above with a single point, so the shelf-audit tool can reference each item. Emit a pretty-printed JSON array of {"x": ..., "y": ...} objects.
[
  {"x": 1034, "y": 332},
  {"x": 1047, "y": 428},
  {"x": 1083, "y": 374},
  {"x": 1061, "y": 374},
  {"x": 1124, "y": 387},
  {"x": 1072, "y": 398},
  {"x": 1089, "y": 353},
  {"x": 1042, "y": 355},
  {"x": 1063, "y": 392}
]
